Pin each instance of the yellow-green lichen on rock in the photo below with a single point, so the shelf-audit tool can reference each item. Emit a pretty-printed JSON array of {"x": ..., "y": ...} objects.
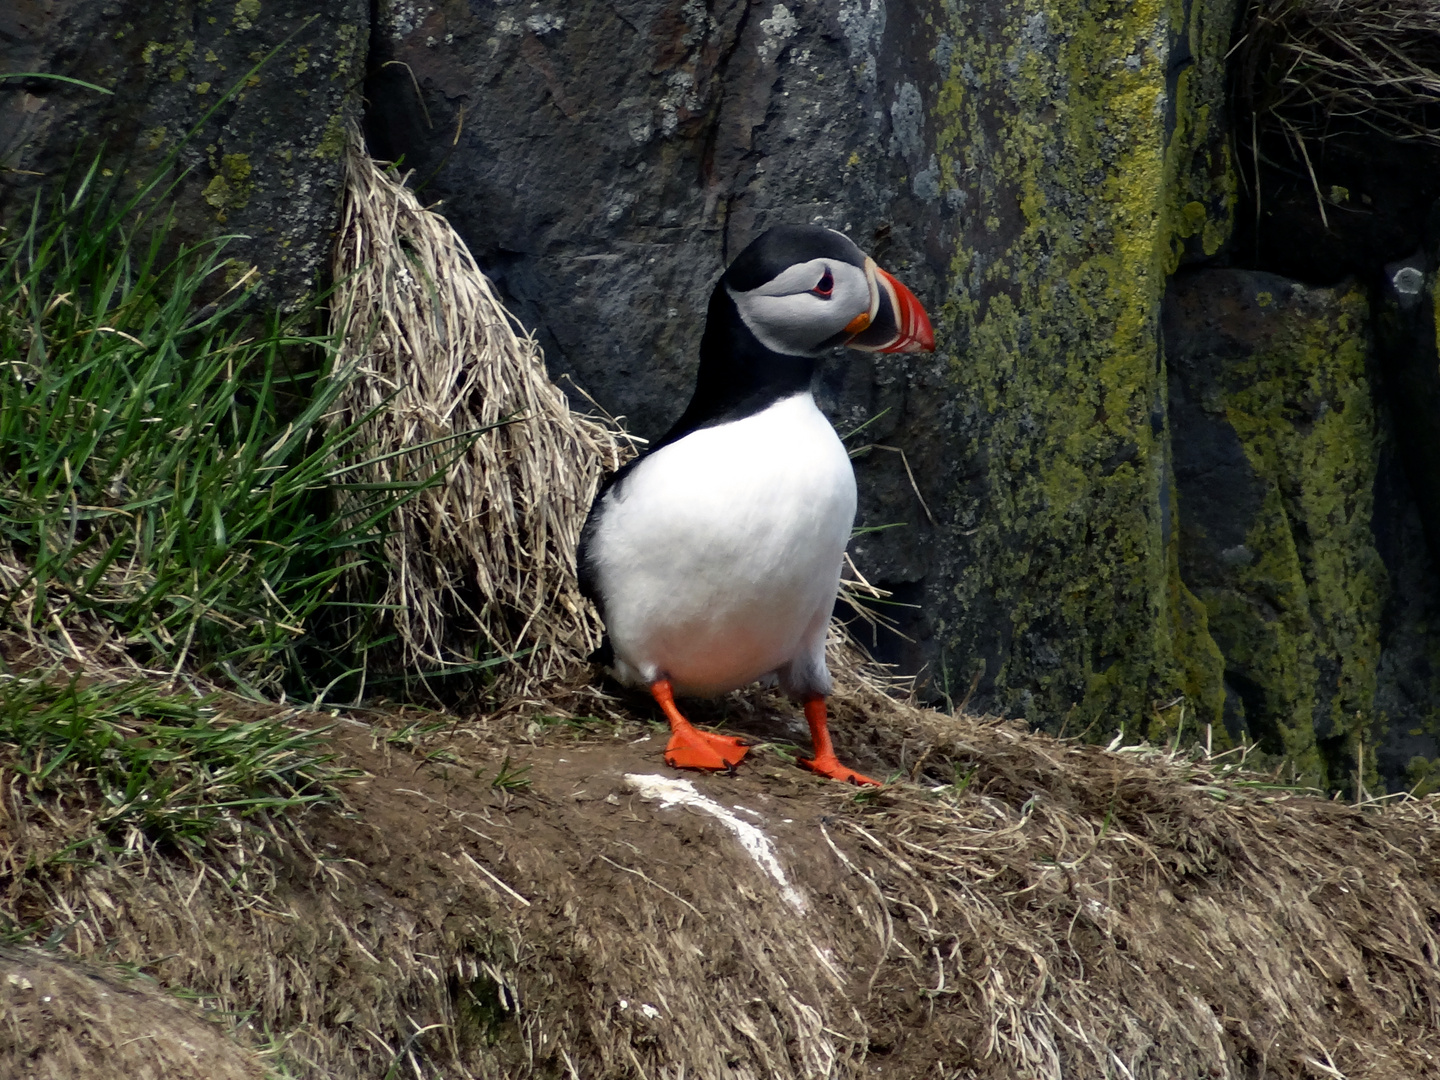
[
  {"x": 246, "y": 14},
  {"x": 1054, "y": 130},
  {"x": 1199, "y": 708},
  {"x": 1277, "y": 443},
  {"x": 332, "y": 139},
  {"x": 231, "y": 187},
  {"x": 1202, "y": 187},
  {"x": 348, "y": 40}
]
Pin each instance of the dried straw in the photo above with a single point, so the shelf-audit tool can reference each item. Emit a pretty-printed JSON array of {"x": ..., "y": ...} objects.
[
  {"x": 1314, "y": 68},
  {"x": 483, "y": 561}
]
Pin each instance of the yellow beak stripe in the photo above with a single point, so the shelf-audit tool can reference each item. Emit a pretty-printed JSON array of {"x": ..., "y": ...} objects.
[{"x": 865, "y": 318}]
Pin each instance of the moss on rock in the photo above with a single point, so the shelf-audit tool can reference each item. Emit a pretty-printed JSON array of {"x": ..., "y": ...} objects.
[
  {"x": 1199, "y": 708},
  {"x": 1056, "y": 124},
  {"x": 1276, "y": 482},
  {"x": 1202, "y": 187}
]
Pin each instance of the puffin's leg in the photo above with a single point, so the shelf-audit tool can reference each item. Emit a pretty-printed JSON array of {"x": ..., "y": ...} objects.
[
  {"x": 825, "y": 762},
  {"x": 689, "y": 747}
]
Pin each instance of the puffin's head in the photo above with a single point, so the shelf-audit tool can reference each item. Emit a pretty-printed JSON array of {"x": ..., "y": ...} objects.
[{"x": 802, "y": 289}]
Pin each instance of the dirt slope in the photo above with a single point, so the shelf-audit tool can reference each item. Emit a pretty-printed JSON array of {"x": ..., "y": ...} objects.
[{"x": 1059, "y": 911}]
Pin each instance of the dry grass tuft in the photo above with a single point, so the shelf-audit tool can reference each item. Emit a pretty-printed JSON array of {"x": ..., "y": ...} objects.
[
  {"x": 483, "y": 561},
  {"x": 1315, "y": 67}
]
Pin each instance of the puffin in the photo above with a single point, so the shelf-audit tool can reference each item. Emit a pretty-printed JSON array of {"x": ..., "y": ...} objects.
[{"x": 714, "y": 557}]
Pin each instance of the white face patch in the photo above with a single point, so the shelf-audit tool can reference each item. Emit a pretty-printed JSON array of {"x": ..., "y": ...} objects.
[{"x": 790, "y": 314}]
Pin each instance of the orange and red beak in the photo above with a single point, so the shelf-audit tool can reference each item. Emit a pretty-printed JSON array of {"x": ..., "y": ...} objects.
[{"x": 895, "y": 323}]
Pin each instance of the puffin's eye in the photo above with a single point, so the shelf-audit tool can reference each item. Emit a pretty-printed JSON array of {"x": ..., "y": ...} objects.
[{"x": 826, "y": 286}]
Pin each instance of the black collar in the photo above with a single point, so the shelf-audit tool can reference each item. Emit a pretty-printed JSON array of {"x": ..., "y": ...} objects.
[{"x": 738, "y": 375}]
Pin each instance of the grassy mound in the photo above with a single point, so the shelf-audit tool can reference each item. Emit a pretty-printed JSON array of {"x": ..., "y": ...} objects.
[
  {"x": 92, "y": 1036},
  {"x": 512, "y": 896},
  {"x": 525, "y": 890}
]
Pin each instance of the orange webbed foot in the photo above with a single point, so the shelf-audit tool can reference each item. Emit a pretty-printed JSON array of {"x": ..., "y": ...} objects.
[
  {"x": 691, "y": 748},
  {"x": 696, "y": 749},
  {"x": 825, "y": 762},
  {"x": 831, "y": 767}
]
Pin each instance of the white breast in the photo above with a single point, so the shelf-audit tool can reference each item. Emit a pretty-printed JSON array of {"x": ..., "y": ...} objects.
[{"x": 719, "y": 555}]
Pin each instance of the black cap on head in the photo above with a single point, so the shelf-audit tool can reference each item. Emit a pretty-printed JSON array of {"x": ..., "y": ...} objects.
[{"x": 776, "y": 250}]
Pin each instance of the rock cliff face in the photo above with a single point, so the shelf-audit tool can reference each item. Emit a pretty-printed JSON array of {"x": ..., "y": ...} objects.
[
  {"x": 606, "y": 161},
  {"x": 1103, "y": 517},
  {"x": 263, "y": 93},
  {"x": 1276, "y": 450},
  {"x": 1059, "y": 133}
]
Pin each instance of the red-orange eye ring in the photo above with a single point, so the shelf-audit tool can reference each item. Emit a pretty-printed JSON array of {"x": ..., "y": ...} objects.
[{"x": 826, "y": 285}]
